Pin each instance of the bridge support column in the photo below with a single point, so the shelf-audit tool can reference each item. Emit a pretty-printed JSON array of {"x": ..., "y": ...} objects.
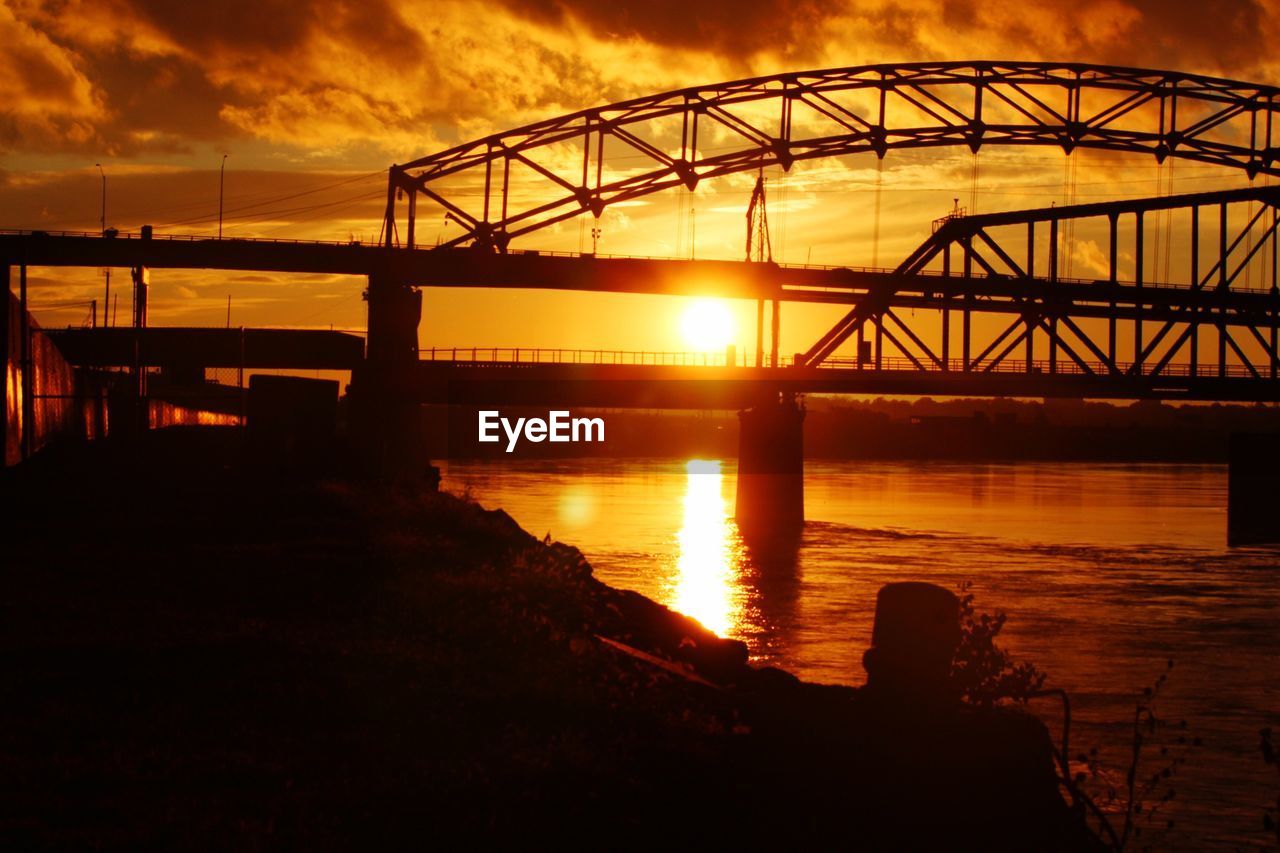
[
  {"x": 759, "y": 333},
  {"x": 1253, "y": 504},
  {"x": 775, "y": 331},
  {"x": 385, "y": 416},
  {"x": 770, "y": 493},
  {"x": 6, "y": 343}
]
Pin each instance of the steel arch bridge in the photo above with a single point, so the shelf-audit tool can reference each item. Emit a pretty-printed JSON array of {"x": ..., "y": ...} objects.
[{"x": 518, "y": 181}]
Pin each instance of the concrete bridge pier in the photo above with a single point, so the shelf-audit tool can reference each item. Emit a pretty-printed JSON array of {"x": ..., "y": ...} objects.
[
  {"x": 770, "y": 496},
  {"x": 1253, "y": 502},
  {"x": 385, "y": 419}
]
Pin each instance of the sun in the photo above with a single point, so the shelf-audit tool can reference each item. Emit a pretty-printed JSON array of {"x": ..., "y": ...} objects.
[{"x": 707, "y": 325}]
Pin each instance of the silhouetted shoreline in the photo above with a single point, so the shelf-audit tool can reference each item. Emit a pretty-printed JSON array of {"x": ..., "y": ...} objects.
[
  {"x": 995, "y": 430},
  {"x": 208, "y": 657}
]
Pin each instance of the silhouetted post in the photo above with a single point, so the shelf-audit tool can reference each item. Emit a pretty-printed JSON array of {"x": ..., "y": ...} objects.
[
  {"x": 1253, "y": 504},
  {"x": 103, "y": 219},
  {"x": 290, "y": 423},
  {"x": 913, "y": 643},
  {"x": 386, "y": 411},
  {"x": 28, "y": 374},
  {"x": 770, "y": 495},
  {"x": 6, "y": 341},
  {"x": 222, "y": 176},
  {"x": 141, "y": 286}
]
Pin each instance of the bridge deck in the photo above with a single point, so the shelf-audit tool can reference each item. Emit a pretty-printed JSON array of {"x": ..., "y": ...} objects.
[
  {"x": 691, "y": 386},
  {"x": 605, "y": 274}
]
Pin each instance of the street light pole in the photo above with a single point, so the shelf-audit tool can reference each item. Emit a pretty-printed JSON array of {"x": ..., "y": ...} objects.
[
  {"x": 104, "y": 197},
  {"x": 222, "y": 175}
]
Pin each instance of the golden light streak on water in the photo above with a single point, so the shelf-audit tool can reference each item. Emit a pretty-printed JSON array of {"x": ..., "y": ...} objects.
[
  {"x": 707, "y": 585},
  {"x": 576, "y": 508}
]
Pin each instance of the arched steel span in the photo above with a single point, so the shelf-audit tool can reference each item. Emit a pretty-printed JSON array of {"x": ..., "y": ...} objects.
[{"x": 809, "y": 114}]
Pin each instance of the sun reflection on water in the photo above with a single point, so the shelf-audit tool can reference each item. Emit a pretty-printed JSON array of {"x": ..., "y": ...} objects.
[{"x": 707, "y": 583}]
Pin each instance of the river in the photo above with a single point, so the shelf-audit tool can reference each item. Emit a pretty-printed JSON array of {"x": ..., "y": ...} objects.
[{"x": 1106, "y": 572}]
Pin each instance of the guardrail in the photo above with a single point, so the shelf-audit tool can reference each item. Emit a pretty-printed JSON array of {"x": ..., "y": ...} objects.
[
  {"x": 650, "y": 358},
  {"x": 191, "y": 238},
  {"x": 550, "y": 253},
  {"x": 536, "y": 355}
]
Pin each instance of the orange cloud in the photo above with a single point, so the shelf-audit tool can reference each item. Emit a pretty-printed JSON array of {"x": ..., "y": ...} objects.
[
  {"x": 402, "y": 77},
  {"x": 46, "y": 97}
]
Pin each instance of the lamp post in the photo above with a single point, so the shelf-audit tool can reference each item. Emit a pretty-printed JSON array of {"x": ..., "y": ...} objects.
[
  {"x": 104, "y": 197},
  {"x": 222, "y": 175}
]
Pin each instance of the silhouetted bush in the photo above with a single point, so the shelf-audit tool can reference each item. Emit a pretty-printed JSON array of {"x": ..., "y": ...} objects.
[
  {"x": 1125, "y": 809},
  {"x": 1128, "y": 809},
  {"x": 982, "y": 672}
]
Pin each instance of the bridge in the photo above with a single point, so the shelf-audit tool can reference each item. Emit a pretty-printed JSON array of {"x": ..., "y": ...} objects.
[
  {"x": 969, "y": 266},
  {"x": 678, "y": 380},
  {"x": 909, "y": 329}
]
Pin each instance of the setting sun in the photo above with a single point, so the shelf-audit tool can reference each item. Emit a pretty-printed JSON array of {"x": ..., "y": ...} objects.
[{"x": 707, "y": 325}]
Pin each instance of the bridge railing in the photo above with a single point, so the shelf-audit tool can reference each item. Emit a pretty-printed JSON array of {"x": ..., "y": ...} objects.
[
  {"x": 536, "y": 355},
  {"x": 505, "y": 356},
  {"x": 179, "y": 238},
  {"x": 1062, "y": 367}
]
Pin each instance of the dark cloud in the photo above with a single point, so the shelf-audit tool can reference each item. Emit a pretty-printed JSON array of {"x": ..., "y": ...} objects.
[
  {"x": 266, "y": 28},
  {"x": 242, "y": 26},
  {"x": 127, "y": 77},
  {"x": 1215, "y": 36},
  {"x": 166, "y": 74},
  {"x": 734, "y": 28},
  {"x": 1227, "y": 34},
  {"x": 164, "y": 94}
]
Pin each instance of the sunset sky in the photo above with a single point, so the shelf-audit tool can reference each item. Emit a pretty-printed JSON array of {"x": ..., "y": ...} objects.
[{"x": 312, "y": 101}]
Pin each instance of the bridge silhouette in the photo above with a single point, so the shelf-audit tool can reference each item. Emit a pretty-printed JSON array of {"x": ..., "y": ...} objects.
[
  {"x": 1057, "y": 335},
  {"x": 967, "y": 267}
]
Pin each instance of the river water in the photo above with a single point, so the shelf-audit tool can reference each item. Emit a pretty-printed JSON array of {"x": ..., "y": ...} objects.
[{"x": 1105, "y": 571}]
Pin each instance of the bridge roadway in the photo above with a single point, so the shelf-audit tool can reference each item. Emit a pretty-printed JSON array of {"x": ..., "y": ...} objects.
[
  {"x": 670, "y": 385},
  {"x": 694, "y": 386},
  {"x": 608, "y": 274}
]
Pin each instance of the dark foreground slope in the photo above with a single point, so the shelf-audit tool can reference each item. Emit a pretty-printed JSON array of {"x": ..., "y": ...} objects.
[{"x": 197, "y": 656}]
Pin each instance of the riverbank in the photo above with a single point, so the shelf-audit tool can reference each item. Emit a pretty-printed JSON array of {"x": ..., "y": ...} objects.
[{"x": 202, "y": 656}]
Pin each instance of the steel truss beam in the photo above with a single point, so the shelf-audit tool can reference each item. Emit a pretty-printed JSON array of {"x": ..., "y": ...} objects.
[
  {"x": 973, "y": 265},
  {"x": 780, "y": 119}
]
